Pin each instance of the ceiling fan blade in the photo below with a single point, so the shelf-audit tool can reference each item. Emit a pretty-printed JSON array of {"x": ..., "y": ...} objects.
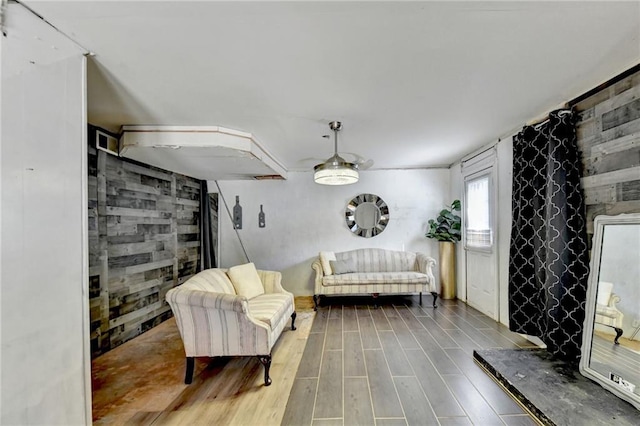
[
  {"x": 363, "y": 163},
  {"x": 312, "y": 159},
  {"x": 310, "y": 162}
]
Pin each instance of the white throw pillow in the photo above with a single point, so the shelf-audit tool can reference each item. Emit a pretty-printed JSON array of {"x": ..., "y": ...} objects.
[
  {"x": 325, "y": 258},
  {"x": 246, "y": 280}
]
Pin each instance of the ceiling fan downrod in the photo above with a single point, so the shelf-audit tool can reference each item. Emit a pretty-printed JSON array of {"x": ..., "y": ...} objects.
[{"x": 336, "y": 126}]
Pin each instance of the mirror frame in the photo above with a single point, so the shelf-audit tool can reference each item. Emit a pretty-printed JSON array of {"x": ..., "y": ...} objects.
[
  {"x": 587, "y": 333},
  {"x": 350, "y": 215}
]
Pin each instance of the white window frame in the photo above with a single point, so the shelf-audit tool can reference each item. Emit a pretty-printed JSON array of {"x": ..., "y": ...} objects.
[
  {"x": 484, "y": 164},
  {"x": 468, "y": 246}
]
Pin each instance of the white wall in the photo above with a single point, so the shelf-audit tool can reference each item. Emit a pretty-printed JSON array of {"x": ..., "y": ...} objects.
[
  {"x": 304, "y": 218},
  {"x": 43, "y": 303},
  {"x": 504, "y": 165}
]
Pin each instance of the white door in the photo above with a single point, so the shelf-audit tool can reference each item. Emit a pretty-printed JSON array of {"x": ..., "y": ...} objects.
[{"x": 479, "y": 233}]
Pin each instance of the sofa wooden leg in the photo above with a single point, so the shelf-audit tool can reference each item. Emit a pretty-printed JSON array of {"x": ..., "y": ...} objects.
[
  {"x": 293, "y": 320},
  {"x": 316, "y": 300},
  {"x": 420, "y": 298},
  {"x": 375, "y": 300},
  {"x": 188, "y": 376},
  {"x": 435, "y": 297},
  {"x": 266, "y": 361},
  {"x": 618, "y": 334}
]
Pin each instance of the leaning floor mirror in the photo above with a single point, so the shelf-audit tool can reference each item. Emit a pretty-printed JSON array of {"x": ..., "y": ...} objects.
[{"x": 611, "y": 339}]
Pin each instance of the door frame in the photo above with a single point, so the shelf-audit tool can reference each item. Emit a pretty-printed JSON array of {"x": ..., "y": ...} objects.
[{"x": 483, "y": 163}]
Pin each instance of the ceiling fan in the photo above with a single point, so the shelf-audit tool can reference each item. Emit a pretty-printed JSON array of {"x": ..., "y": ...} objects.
[{"x": 336, "y": 170}]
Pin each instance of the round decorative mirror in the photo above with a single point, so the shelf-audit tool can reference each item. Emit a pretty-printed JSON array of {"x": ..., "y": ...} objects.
[{"x": 367, "y": 215}]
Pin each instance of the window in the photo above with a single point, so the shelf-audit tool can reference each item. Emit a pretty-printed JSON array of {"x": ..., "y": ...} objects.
[{"x": 478, "y": 232}]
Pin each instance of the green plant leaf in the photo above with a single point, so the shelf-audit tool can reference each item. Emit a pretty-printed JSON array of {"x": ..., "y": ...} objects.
[
  {"x": 450, "y": 216},
  {"x": 447, "y": 225}
]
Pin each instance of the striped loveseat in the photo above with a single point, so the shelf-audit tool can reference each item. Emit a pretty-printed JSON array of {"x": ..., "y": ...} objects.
[
  {"x": 215, "y": 319},
  {"x": 373, "y": 271}
]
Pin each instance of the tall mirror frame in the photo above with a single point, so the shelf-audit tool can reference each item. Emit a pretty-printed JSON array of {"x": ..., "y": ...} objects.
[{"x": 612, "y": 360}]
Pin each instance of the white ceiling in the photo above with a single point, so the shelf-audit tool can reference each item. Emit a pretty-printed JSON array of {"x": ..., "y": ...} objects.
[{"x": 416, "y": 84}]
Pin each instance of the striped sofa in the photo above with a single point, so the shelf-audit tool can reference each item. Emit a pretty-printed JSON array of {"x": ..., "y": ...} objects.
[
  {"x": 373, "y": 271},
  {"x": 214, "y": 320}
]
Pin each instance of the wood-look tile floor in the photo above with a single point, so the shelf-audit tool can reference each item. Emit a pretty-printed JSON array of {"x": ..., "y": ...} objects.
[{"x": 400, "y": 364}]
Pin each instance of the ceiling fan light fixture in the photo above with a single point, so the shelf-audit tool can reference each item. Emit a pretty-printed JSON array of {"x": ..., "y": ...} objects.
[{"x": 336, "y": 170}]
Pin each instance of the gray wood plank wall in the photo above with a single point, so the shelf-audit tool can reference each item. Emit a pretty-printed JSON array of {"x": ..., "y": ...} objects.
[
  {"x": 609, "y": 139},
  {"x": 144, "y": 238}
]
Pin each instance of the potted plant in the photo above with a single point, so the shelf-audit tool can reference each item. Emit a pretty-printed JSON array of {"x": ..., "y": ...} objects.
[
  {"x": 447, "y": 229},
  {"x": 447, "y": 226}
]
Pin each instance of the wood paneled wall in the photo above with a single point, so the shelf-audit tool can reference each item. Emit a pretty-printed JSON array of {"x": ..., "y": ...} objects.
[
  {"x": 144, "y": 238},
  {"x": 609, "y": 139}
]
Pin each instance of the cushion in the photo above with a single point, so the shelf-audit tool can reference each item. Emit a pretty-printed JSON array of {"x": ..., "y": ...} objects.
[
  {"x": 607, "y": 312},
  {"x": 342, "y": 266},
  {"x": 375, "y": 278},
  {"x": 246, "y": 280},
  {"x": 604, "y": 293},
  {"x": 270, "y": 307},
  {"x": 325, "y": 258}
]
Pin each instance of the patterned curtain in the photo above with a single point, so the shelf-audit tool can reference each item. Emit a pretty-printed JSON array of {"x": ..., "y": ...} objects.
[{"x": 549, "y": 259}]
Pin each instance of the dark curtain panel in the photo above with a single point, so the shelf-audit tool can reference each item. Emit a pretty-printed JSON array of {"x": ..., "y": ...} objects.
[
  {"x": 549, "y": 259},
  {"x": 207, "y": 248}
]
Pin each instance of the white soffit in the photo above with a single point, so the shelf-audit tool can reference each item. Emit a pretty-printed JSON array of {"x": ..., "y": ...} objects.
[{"x": 207, "y": 153}]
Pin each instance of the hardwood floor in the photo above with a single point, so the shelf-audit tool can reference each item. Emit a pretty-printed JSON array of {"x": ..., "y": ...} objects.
[
  {"x": 395, "y": 365},
  {"x": 142, "y": 381}
]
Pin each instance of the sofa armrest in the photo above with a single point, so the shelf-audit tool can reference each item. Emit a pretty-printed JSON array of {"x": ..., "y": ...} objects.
[
  {"x": 613, "y": 300},
  {"x": 317, "y": 267},
  {"x": 425, "y": 265},
  {"x": 610, "y": 315},
  {"x": 271, "y": 281},
  {"x": 207, "y": 299}
]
